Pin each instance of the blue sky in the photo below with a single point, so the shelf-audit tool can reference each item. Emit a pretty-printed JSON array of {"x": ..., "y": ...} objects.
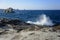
[{"x": 30, "y": 4}]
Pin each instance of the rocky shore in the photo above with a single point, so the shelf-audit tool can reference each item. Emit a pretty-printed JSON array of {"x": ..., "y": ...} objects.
[{"x": 15, "y": 29}]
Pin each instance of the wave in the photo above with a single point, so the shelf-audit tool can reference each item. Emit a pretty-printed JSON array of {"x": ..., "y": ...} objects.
[{"x": 42, "y": 20}]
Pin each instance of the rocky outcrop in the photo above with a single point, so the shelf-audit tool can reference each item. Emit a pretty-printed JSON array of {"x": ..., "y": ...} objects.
[
  {"x": 17, "y": 24},
  {"x": 9, "y": 10},
  {"x": 15, "y": 29}
]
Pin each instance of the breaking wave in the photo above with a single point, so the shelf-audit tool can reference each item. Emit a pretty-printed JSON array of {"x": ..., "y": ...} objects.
[{"x": 42, "y": 20}]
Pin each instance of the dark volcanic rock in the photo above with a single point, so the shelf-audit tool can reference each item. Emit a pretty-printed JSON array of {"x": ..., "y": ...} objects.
[
  {"x": 15, "y": 24},
  {"x": 5, "y": 21},
  {"x": 19, "y": 25}
]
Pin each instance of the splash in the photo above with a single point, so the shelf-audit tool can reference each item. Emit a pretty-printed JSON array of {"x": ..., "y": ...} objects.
[{"x": 43, "y": 20}]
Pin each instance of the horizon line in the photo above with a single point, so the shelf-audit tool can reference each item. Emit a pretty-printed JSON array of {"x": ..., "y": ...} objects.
[{"x": 30, "y": 8}]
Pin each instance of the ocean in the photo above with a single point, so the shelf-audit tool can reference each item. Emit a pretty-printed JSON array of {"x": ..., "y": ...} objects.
[{"x": 40, "y": 17}]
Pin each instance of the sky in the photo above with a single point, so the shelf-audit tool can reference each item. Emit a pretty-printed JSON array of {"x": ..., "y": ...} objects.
[{"x": 31, "y": 4}]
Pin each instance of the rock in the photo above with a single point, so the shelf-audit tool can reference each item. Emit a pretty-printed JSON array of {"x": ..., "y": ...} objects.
[
  {"x": 9, "y": 10},
  {"x": 2, "y": 31},
  {"x": 3, "y": 21},
  {"x": 20, "y": 30},
  {"x": 55, "y": 28},
  {"x": 19, "y": 25},
  {"x": 58, "y": 35},
  {"x": 16, "y": 22}
]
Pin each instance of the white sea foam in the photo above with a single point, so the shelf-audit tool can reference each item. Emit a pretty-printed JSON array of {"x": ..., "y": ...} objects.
[{"x": 42, "y": 20}]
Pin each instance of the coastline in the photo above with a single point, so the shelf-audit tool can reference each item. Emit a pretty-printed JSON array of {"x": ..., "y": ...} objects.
[{"x": 19, "y": 30}]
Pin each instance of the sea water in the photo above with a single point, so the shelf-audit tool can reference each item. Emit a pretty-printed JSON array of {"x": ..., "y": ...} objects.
[{"x": 39, "y": 17}]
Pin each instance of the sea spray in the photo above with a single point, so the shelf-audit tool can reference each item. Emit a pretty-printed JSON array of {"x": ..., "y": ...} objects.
[{"x": 42, "y": 20}]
